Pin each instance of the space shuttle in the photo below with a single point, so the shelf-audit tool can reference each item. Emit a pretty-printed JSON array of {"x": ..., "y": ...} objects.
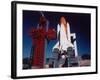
[{"x": 63, "y": 36}]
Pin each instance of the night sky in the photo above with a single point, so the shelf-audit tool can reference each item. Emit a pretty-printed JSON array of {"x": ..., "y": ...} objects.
[{"x": 79, "y": 24}]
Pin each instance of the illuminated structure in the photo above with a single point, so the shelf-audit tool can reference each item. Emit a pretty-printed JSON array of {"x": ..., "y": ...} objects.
[{"x": 39, "y": 35}]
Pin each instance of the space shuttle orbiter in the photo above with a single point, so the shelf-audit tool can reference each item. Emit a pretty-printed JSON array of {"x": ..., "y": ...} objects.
[{"x": 63, "y": 35}]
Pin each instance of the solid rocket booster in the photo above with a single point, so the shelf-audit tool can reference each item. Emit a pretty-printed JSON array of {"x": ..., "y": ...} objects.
[{"x": 63, "y": 35}]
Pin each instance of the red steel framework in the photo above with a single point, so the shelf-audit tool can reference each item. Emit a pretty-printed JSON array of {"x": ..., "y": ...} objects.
[{"x": 39, "y": 35}]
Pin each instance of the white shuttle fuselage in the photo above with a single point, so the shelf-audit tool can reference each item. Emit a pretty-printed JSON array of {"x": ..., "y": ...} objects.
[{"x": 63, "y": 35}]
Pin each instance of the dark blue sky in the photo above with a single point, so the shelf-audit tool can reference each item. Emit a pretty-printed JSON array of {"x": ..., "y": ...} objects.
[{"x": 79, "y": 24}]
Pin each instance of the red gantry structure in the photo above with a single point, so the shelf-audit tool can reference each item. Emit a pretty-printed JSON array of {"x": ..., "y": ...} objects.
[{"x": 39, "y": 35}]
